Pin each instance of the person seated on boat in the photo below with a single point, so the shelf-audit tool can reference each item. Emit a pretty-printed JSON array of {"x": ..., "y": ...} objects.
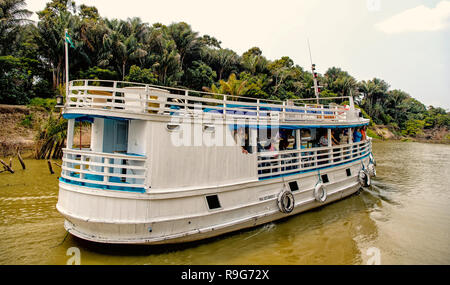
[
  {"x": 241, "y": 138},
  {"x": 357, "y": 136},
  {"x": 343, "y": 137},
  {"x": 363, "y": 133},
  {"x": 323, "y": 140},
  {"x": 334, "y": 141},
  {"x": 290, "y": 142}
]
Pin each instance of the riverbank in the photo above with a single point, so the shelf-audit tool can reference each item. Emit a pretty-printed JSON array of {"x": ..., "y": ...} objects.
[
  {"x": 17, "y": 130},
  {"x": 20, "y": 127},
  {"x": 386, "y": 132}
]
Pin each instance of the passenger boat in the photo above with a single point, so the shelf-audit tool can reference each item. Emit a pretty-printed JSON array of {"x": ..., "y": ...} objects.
[{"x": 170, "y": 165}]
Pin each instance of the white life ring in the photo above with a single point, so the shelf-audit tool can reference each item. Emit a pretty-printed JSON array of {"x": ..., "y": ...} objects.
[
  {"x": 320, "y": 193},
  {"x": 286, "y": 201},
  {"x": 364, "y": 178},
  {"x": 372, "y": 170}
]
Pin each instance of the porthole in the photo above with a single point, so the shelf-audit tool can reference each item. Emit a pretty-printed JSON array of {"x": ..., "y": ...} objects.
[{"x": 348, "y": 171}]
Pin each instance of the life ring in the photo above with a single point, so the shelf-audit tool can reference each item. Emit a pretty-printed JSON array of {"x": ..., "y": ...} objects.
[
  {"x": 320, "y": 193},
  {"x": 364, "y": 178},
  {"x": 286, "y": 201},
  {"x": 372, "y": 159},
  {"x": 372, "y": 170}
]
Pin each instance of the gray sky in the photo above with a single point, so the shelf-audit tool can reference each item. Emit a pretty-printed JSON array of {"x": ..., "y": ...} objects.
[{"x": 404, "y": 42}]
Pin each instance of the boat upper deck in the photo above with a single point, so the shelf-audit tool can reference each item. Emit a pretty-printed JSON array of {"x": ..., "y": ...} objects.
[{"x": 145, "y": 101}]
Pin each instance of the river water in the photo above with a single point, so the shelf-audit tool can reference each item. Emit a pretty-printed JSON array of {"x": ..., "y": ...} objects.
[{"x": 403, "y": 218}]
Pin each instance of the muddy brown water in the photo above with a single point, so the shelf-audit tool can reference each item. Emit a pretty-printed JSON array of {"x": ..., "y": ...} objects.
[{"x": 403, "y": 218}]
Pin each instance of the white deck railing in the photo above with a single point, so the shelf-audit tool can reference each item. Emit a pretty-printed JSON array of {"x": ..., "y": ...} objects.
[
  {"x": 105, "y": 170},
  {"x": 292, "y": 161},
  {"x": 150, "y": 99}
]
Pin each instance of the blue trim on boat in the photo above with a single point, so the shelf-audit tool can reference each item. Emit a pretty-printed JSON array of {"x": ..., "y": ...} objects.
[
  {"x": 104, "y": 187},
  {"x": 90, "y": 118},
  {"x": 316, "y": 169},
  {"x": 295, "y": 127}
]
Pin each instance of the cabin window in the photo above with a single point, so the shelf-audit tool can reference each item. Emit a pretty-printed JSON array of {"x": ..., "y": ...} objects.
[
  {"x": 242, "y": 137},
  {"x": 348, "y": 171},
  {"x": 81, "y": 134},
  {"x": 287, "y": 139},
  {"x": 307, "y": 137},
  {"x": 173, "y": 127},
  {"x": 209, "y": 128},
  {"x": 213, "y": 202},
  {"x": 268, "y": 139},
  {"x": 293, "y": 186},
  {"x": 325, "y": 178}
]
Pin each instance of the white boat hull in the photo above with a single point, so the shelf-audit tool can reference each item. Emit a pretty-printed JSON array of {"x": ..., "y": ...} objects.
[{"x": 163, "y": 217}]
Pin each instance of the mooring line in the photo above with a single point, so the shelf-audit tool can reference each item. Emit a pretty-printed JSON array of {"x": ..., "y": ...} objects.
[{"x": 67, "y": 233}]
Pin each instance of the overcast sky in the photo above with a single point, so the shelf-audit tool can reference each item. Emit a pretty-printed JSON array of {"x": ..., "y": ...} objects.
[{"x": 404, "y": 42}]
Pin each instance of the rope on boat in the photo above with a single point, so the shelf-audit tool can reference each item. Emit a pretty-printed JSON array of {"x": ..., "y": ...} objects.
[{"x": 67, "y": 233}]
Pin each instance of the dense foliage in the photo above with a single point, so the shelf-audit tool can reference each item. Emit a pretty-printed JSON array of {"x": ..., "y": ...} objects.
[{"x": 32, "y": 64}]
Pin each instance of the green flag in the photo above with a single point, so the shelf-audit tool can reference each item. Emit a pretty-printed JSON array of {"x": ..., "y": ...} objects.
[{"x": 69, "y": 40}]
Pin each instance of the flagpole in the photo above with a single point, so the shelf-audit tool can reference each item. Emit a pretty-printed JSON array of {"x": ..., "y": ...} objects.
[{"x": 67, "y": 63}]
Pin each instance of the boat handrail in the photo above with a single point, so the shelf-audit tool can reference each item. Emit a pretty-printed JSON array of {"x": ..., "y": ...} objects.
[
  {"x": 281, "y": 152},
  {"x": 284, "y": 163},
  {"x": 105, "y": 154},
  {"x": 127, "y": 172},
  {"x": 148, "y": 98}
]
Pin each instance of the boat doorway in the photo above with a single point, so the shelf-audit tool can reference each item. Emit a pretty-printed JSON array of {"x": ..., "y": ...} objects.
[{"x": 115, "y": 136}]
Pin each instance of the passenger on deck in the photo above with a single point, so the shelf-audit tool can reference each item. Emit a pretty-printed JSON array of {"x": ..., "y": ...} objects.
[
  {"x": 357, "y": 136},
  {"x": 344, "y": 137},
  {"x": 324, "y": 140},
  {"x": 333, "y": 139},
  {"x": 363, "y": 133}
]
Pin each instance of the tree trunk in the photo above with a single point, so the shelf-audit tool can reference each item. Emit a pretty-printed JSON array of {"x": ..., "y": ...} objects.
[{"x": 123, "y": 70}]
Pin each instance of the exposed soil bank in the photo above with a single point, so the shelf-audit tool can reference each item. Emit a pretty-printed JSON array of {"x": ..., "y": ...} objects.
[
  {"x": 383, "y": 132},
  {"x": 14, "y": 133},
  {"x": 19, "y": 126}
]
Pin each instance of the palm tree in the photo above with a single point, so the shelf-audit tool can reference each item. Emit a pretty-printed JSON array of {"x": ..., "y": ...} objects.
[
  {"x": 223, "y": 61},
  {"x": 373, "y": 91},
  {"x": 50, "y": 39},
  {"x": 233, "y": 87},
  {"x": 187, "y": 41},
  {"x": 12, "y": 16},
  {"x": 121, "y": 45},
  {"x": 164, "y": 58}
]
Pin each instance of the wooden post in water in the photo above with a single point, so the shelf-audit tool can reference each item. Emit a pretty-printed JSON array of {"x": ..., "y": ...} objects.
[
  {"x": 6, "y": 166},
  {"x": 49, "y": 163},
  {"x": 20, "y": 160}
]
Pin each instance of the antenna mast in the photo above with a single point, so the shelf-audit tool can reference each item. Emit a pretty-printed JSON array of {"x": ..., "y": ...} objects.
[{"x": 313, "y": 68}]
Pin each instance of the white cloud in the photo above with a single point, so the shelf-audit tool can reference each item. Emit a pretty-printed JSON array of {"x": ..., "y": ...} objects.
[{"x": 418, "y": 19}]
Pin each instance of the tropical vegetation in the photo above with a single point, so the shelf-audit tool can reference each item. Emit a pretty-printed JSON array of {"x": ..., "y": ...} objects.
[{"x": 32, "y": 64}]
